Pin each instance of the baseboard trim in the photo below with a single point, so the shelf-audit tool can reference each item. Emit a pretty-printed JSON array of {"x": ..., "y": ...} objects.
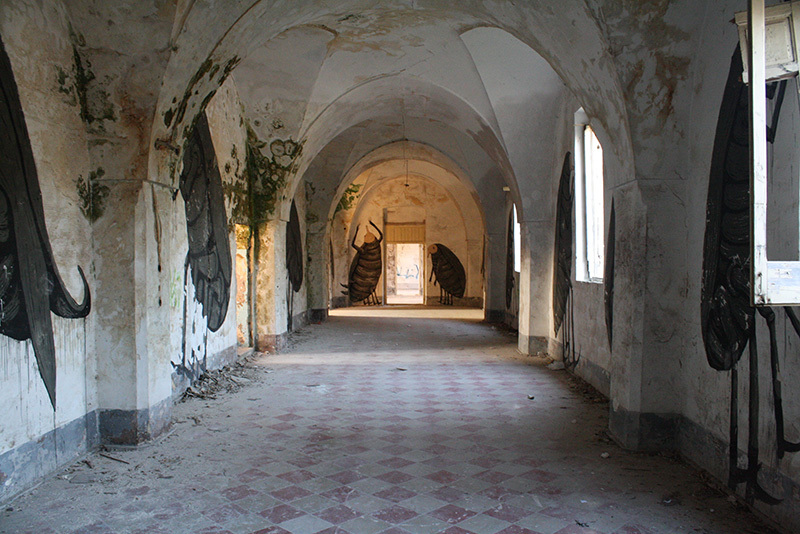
[
  {"x": 317, "y": 315},
  {"x": 132, "y": 427},
  {"x": 532, "y": 345},
  {"x": 22, "y": 467},
  {"x": 272, "y": 342}
]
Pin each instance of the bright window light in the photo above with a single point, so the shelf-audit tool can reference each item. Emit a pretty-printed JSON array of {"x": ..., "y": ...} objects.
[
  {"x": 589, "y": 211},
  {"x": 517, "y": 242}
]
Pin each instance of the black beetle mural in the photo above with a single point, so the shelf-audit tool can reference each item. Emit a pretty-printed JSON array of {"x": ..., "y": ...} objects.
[
  {"x": 294, "y": 250},
  {"x": 562, "y": 260},
  {"x": 608, "y": 276},
  {"x": 294, "y": 258},
  {"x": 366, "y": 268},
  {"x": 30, "y": 285},
  {"x": 510, "y": 260},
  {"x": 727, "y": 319},
  {"x": 209, "y": 254},
  {"x": 449, "y": 273}
]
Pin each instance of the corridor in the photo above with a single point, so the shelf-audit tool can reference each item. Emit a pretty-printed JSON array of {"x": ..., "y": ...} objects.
[{"x": 385, "y": 420}]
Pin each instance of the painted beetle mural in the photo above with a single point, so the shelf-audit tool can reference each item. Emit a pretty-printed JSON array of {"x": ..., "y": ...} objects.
[
  {"x": 294, "y": 260},
  {"x": 30, "y": 285},
  {"x": 608, "y": 276},
  {"x": 208, "y": 259},
  {"x": 449, "y": 273},
  {"x": 727, "y": 318},
  {"x": 366, "y": 268},
  {"x": 562, "y": 259}
]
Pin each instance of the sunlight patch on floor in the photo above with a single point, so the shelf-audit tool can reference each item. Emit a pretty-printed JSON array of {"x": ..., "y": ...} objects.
[{"x": 417, "y": 312}]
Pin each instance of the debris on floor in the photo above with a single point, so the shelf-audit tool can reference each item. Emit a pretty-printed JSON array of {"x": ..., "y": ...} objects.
[{"x": 228, "y": 379}]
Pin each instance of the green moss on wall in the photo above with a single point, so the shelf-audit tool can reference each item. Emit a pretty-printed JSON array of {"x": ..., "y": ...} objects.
[
  {"x": 80, "y": 84},
  {"x": 92, "y": 194},
  {"x": 348, "y": 199},
  {"x": 173, "y": 117},
  {"x": 268, "y": 174}
]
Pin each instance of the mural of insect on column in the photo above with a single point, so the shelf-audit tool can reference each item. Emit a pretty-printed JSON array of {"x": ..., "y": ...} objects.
[
  {"x": 449, "y": 273},
  {"x": 366, "y": 268},
  {"x": 608, "y": 276},
  {"x": 209, "y": 256},
  {"x": 562, "y": 263},
  {"x": 30, "y": 284},
  {"x": 294, "y": 259},
  {"x": 728, "y": 321}
]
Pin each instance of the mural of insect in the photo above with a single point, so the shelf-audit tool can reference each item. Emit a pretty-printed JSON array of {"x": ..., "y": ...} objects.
[
  {"x": 366, "y": 268},
  {"x": 562, "y": 263},
  {"x": 562, "y": 260},
  {"x": 294, "y": 258},
  {"x": 449, "y": 273},
  {"x": 608, "y": 276},
  {"x": 30, "y": 285},
  {"x": 209, "y": 255},
  {"x": 728, "y": 321}
]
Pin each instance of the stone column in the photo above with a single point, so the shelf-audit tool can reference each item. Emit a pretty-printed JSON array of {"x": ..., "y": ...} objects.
[
  {"x": 318, "y": 266},
  {"x": 271, "y": 286},
  {"x": 535, "y": 283}
]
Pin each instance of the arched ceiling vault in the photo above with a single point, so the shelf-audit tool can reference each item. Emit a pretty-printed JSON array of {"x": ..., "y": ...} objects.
[
  {"x": 347, "y": 77},
  {"x": 396, "y": 160}
]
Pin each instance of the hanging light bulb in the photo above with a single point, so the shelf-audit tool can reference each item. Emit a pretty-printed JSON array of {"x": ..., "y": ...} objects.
[{"x": 405, "y": 142}]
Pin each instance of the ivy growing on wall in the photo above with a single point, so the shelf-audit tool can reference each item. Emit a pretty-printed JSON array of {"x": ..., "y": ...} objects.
[{"x": 267, "y": 175}]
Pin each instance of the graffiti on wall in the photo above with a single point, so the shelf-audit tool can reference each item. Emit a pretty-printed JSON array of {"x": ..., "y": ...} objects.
[
  {"x": 562, "y": 260},
  {"x": 294, "y": 250},
  {"x": 608, "y": 276},
  {"x": 209, "y": 257},
  {"x": 294, "y": 258},
  {"x": 366, "y": 268},
  {"x": 727, "y": 318},
  {"x": 30, "y": 285},
  {"x": 448, "y": 273}
]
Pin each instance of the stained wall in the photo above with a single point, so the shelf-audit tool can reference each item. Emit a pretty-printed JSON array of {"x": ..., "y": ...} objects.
[{"x": 38, "y": 43}]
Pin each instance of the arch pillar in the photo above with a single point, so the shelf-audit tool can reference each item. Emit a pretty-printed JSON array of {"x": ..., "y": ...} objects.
[
  {"x": 270, "y": 287},
  {"x": 317, "y": 269},
  {"x": 535, "y": 281}
]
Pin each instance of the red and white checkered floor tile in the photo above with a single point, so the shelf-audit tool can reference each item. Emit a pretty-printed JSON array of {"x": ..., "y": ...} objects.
[{"x": 385, "y": 424}]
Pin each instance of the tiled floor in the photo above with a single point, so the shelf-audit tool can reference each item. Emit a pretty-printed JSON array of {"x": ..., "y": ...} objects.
[{"x": 385, "y": 424}]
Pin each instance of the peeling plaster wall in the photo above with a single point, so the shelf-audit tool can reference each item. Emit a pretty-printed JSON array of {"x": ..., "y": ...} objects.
[
  {"x": 279, "y": 112},
  {"x": 36, "y": 38}
]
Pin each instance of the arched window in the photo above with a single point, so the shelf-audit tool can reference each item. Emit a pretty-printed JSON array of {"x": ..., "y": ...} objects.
[
  {"x": 588, "y": 202},
  {"x": 517, "y": 242}
]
